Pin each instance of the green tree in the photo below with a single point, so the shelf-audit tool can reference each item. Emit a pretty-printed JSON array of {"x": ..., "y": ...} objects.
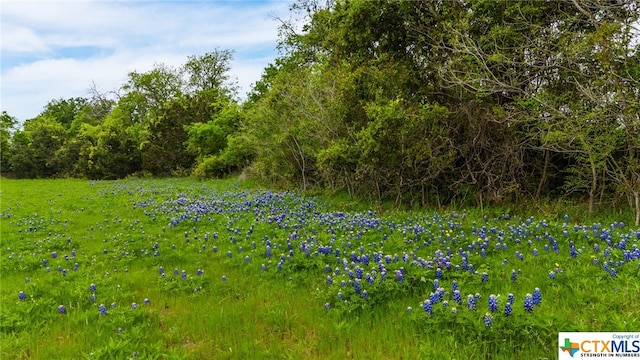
[{"x": 7, "y": 126}]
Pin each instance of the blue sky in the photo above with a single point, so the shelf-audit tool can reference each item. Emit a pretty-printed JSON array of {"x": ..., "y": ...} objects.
[{"x": 57, "y": 49}]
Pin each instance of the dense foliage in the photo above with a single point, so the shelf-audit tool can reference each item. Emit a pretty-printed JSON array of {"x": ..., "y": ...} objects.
[{"x": 415, "y": 102}]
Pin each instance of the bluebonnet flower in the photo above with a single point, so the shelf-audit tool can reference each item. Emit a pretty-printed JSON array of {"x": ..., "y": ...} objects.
[
  {"x": 224, "y": 278},
  {"x": 514, "y": 275},
  {"x": 22, "y": 296},
  {"x": 456, "y": 296},
  {"x": 535, "y": 252},
  {"x": 507, "y": 309},
  {"x": 365, "y": 294},
  {"x": 62, "y": 309},
  {"x": 445, "y": 303},
  {"x": 454, "y": 285},
  {"x": 511, "y": 298},
  {"x": 537, "y": 296},
  {"x": 76, "y": 266},
  {"x": 264, "y": 267},
  {"x": 612, "y": 272},
  {"x": 399, "y": 276},
  {"x": 102, "y": 309},
  {"x": 340, "y": 296},
  {"x": 247, "y": 259},
  {"x": 369, "y": 278},
  {"x": 113, "y": 305},
  {"x": 134, "y": 306},
  {"x": 438, "y": 273},
  {"x": 176, "y": 272},
  {"x": 485, "y": 277},
  {"x": 92, "y": 287},
  {"x": 552, "y": 275},
  {"x": 436, "y": 284},
  {"x": 471, "y": 302},
  {"x": 161, "y": 270},
  {"x": 488, "y": 320},
  {"x": 229, "y": 254},
  {"x": 214, "y": 249},
  {"x": 356, "y": 286},
  {"x": 493, "y": 303},
  {"x": 147, "y": 301},
  {"x": 428, "y": 308},
  {"x": 93, "y": 298},
  {"x": 184, "y": 274},
  {"x": 454, "y": 310},
  {"x": 329, "y": 280},
  {"x": 409, "y": 309},
  {"x": 327, "y": 306},
  {"x": 573, "y": 252},
  {"x": 528, "y": 303},
  {"x": 54, "y": 254}
]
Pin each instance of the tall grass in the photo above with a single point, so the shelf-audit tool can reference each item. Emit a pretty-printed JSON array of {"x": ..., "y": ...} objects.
[{"x": 336, "y": 284}]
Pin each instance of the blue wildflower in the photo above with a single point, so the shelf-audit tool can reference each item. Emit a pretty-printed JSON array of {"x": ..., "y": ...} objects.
[
  {"x": 514, "y": 275},
  {"x": 456, "y": 296},
  {"x": 356, "y": 286},
  {"x": 428, "y": 308},
  {"x": 485, "y": 277},
  {"x": 102, "y": 309},
  {"x": 493, "y": 303},
  {"x": 22, "y": 296},
  {"x": 528, "y": 303},
  {"x": 62, "y": 309},
  {"x": 511, "y": 298},
  {"x": 537, "y": 296},
  {"x": 134, "y": 306},
  {"x": 92, "y": 287},
  {"x": 507, "y": 309},
  {"x": 488, "y": 320},
  {"x": 471, "y": 302}
]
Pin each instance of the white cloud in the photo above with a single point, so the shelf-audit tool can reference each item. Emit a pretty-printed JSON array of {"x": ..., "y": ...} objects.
[{"x": 53, "y": 50}]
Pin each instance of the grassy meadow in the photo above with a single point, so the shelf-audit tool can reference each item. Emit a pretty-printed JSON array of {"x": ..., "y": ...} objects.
[{"x": 184, "y": 269}]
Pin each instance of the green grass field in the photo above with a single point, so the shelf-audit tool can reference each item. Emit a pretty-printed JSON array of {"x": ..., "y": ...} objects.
[{"x": 182, "y": 269}]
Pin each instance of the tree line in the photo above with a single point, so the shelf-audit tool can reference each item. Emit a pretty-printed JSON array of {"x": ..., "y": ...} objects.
[{"x": 416, "y": 102}]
